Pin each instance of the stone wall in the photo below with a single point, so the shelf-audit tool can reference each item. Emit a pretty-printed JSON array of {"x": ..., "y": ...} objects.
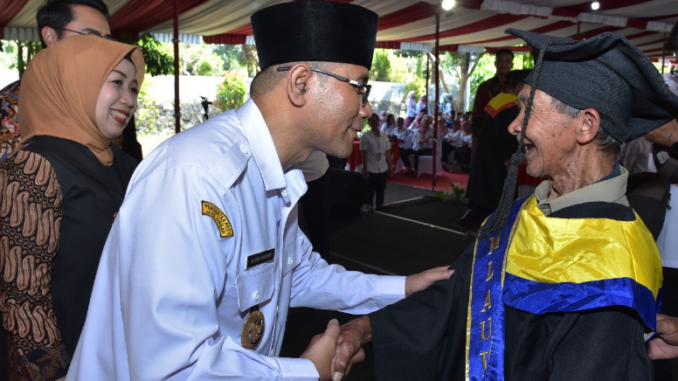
[
  {"x": 159, "y": 116},
  {"x": 156, "y": 112}
]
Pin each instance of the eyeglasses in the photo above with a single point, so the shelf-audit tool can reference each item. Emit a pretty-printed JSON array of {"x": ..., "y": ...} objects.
[
  {"x": 89, "y": 33},
  {"x": 363, "y": 89}
]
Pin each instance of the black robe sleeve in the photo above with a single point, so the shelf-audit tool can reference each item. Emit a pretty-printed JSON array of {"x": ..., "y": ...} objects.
[
  {"x": 423, "y": 337},
  {"x": 412, "y": 337}
]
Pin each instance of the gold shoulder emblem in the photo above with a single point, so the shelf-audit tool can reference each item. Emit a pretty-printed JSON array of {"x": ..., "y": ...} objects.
[{"x": 219, "y": 217}]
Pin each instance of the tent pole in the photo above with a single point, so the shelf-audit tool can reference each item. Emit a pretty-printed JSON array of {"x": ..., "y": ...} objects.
[
  {"x": 664, "y": 54},
  {"x": 437, "y": 108},
  {"x": 427, "y": 74},
  {"x": 175, "y": 40}
]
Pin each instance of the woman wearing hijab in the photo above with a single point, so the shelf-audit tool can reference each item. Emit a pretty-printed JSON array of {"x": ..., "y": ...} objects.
[
  {"x": 423, "y": 104},
  {"x": 411, "y": 105},
  {"x": 61, "y": 193}
]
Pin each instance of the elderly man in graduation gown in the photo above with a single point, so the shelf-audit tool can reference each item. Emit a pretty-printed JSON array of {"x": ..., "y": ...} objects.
[
  {"x": 563, "y": 284},
  {"x": 205, "y": 256}
]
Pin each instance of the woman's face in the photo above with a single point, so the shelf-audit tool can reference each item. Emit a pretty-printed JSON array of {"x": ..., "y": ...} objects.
[
  {"x": 426, "y": 124},
  {"x": 117, "y": 100}
]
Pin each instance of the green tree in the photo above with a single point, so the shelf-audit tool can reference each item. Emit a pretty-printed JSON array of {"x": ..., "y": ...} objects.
[
  {"x": 23, "y": 52},
  {"x": 231, "y": 55},
  {"x": 159, "y": 59},
  {"x": 381, "y": 66},
  {"x": 231, "y": 93},
  {"x": 205, "y": 69},
  {"x": 463, "y": 65}
]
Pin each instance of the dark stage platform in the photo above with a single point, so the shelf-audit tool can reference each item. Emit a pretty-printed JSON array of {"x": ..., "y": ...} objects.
[{"x": 402, "y": 239}]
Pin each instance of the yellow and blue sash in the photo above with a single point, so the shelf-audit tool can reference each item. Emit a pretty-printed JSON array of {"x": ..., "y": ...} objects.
[{"x": 544, "y": 264}]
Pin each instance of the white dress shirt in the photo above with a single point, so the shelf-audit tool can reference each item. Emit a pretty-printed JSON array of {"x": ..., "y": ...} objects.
[
  {"x": 667, "y": 242},
  {"x": 173, "y": 290},
  {"x": 376, "y": 147},
  {"x": 419, "y": 137},
  {"x": 454, "y": 137},
  {"x": 406, "y": 136},
  {"x": 388, "y": 129}
]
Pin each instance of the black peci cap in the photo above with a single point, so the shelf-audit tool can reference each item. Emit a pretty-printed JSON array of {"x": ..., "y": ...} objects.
[
  {"x": 315, "y": 31},
  {"x": 606, "y": 73}
]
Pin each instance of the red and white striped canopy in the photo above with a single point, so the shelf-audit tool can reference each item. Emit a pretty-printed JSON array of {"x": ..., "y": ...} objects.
[{"x": 408, "y": 24}]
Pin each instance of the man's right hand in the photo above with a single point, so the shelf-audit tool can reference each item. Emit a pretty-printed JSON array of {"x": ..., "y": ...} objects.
[
  {"x": 664, "y": 345},
  {"x": 353, "y": 336},
  {"x": 321, "y": 350}
]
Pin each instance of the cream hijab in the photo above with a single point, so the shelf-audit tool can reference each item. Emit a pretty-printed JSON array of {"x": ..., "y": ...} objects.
[{"x": 60, "y": 89}]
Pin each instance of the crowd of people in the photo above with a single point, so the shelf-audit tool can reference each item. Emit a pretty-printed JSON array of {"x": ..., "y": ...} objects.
[{"x": 185, "y": 265}]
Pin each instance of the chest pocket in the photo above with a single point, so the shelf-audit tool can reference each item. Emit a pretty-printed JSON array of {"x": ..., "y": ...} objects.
[{"x": 255, "y": 286}]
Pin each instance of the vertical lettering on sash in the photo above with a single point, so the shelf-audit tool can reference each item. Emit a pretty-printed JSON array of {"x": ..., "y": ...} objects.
[
  {"x": 494, "y": 244},
  {"x": 485, "y": 359},
  {"x": 489, "y": 271},
  {"x": 489, "y": 329},
  {"x": 488, "y": 301}
]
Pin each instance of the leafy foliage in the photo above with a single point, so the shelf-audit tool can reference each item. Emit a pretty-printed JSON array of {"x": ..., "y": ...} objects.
[
  {"x": 457, "y": 193},
  {"x": 381, "y": 66},
  {"x": 158, "y": 60},
  {"x": 232, "y": 56},
  {"x": 231, "y": 93},
  {"x": 205, "y": 69}
]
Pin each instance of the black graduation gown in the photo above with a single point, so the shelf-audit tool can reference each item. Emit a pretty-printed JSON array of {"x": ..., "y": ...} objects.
[
  {"x": 92, "y": 195},
  {"x": 488, "y": 171},
  {"x": 423, "y": 337}
]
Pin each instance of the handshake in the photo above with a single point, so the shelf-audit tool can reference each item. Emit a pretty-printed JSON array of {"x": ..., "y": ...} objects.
[{"x": 334, "y": 352}]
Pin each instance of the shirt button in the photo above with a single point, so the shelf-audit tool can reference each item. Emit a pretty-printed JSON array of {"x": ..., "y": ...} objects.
[
  {"x": 243, "y": 148},
  {"x": 256, "y": 295},
  {"x": 284, "y": 193},
  {"x": 272, "y": 354},
  {"x": 290, "y": 261}
]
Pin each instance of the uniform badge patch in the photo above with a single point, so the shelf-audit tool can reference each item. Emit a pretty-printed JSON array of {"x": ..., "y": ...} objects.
[{"x": 219, "y": 217}]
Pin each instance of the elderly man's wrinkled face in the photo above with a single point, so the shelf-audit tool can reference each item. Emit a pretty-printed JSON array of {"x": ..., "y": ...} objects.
[{"x": 550, "y": 139}]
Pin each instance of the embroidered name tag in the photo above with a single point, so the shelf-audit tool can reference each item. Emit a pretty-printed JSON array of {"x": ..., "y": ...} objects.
[
  {"x": 223, "y": 224},
  {"x": 259, "y": 258}
]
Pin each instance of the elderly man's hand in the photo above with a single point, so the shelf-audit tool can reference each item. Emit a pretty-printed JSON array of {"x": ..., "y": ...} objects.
[
  {"x": 423, "y": 280},
  {"x": 349, "y": 351},
  {"x": 664, "y": 345},
  {"x": 321, "y": 350},
  {"x": 665, "y": 135}
]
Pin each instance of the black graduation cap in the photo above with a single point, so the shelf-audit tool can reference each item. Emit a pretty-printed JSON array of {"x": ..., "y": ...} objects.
[
  {"x": 607, "y": 73},
  {"x": 315, "y": 31}
]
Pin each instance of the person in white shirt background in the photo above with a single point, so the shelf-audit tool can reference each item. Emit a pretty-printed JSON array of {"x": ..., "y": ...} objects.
[
  {"x": 411, "y": 105},
  {"x": 423, "y": 104},
  {"x": 404, "y": 137},
  {"x": 375, "y": 150},
  {"x": 462, "y": 155},
  {"x": 389, "y": 126},
  {"x": 205, "y": 256},
  {"x": 422, "y": 140}
]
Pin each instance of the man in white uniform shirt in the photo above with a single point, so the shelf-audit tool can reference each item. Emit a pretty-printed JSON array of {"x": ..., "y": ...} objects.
[
  {"x": 205, "y": 256},
  {"x": 375, "y": 150}
]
